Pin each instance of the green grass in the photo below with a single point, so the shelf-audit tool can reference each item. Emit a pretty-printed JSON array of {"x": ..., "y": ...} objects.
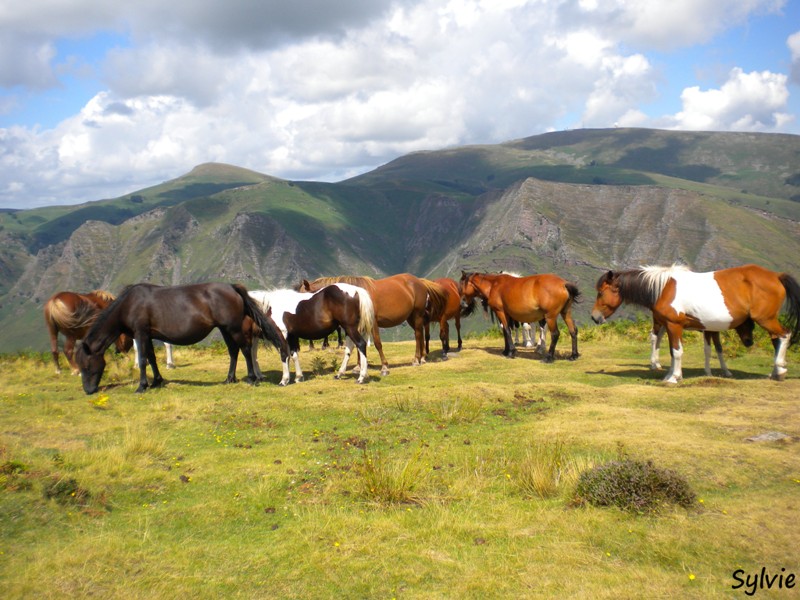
[{"x": 450, "y": 480}]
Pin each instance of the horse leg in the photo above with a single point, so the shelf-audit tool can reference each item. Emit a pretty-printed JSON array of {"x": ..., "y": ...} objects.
[
  {"x": 509, "y": 351},
  {"x": 69, "y": 352},
  {"x": 780, "y": 341},
  {"x": 54, "y": 346},
  {"x": 708, "y": 338},
  {"x": 458, "y": 330},
  {"x": 233, "y": 354},
  {"x": 675, "y": 336},
  {"x": 348, "y": 348},
  {"x": 428, "y": 336},
  {"x": 170, "y": 362},
  {"x": 655, "y": 341},
  {"x": 552, "y": 325},
  {"x": 573, "y": 331},
  {"x": 257, "y": 373},
  {"x": 376, "y": 339},
  {"x": 417, "y": 323},
  {"x": 444, "y": 336},
  {"x": 781, "y": 344},
  {"x": 527, "y": 335},
  {"x": 140, "y": 343},
  {"x": 298, "y": 372},
  {"x": 541, "y": 340},
  {"x": 354, "y": 338},
  {"x": 158, "y": 380}
]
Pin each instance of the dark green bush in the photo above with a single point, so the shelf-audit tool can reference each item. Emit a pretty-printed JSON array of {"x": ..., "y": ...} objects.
[{"x": 633, "y": 486}]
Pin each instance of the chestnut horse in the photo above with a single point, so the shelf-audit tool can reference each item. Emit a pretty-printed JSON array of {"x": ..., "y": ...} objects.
[
  {"x": 72, "y": 314},
  {"x": 452, "y": 310},
  {"x": 715, "y": 301},
  {"x": 397, "y": 299},
  {"x": 525, "y": 299},
  {"x": 314, "y": 315},
  {"x": 180, "y": 315}
]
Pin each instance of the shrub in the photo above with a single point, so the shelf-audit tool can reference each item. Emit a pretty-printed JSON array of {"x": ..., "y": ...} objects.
[{"x": 634, "y": 486}]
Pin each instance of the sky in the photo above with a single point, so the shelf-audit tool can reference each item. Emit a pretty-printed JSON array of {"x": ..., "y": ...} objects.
[{"x": 99, "y": 99}]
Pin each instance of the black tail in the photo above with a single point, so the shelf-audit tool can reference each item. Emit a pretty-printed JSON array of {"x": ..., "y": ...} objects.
[
  {"x": 269, "y": 331},
  {"x": 792, "y": 305},
  {"x": 574, "y": 292}
]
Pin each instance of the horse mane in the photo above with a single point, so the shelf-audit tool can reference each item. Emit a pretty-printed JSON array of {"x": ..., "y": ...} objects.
[
  {"x": 368, "y": 283},
  {"x": 103, "y": 295},
  {"x": 103, "y": 315},
  {"x": 642, "y": 285}
]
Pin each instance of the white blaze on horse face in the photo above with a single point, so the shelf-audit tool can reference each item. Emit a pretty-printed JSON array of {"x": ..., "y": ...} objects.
[{"x": 699, "y": 296}]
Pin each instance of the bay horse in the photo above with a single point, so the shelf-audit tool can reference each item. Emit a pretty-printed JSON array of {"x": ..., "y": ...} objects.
[
  {"x": 72, "y": 314},
  {"x": 524, "y": 299},
  {"x": 715, "y": 301},
  {"x": 181, "y": 315},
  {"x": 452, "y": 310},
  {"x": 396, "y": 299},
  {"x": 313, "y": 315}
]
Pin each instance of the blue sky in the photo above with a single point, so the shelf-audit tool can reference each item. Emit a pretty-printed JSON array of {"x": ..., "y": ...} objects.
[{"x": 98, "y": 99}]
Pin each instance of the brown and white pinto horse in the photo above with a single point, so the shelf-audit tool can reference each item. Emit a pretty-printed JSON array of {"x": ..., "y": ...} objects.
[
  {"x": 72, "y": 314},
  {"x": 525, "y": 299},
  {"x": 452, "y": 310},
  {"x": 314, "y": 315},
  {"x": 396, "y": 299},
  {"x": 715, "y": 301}
]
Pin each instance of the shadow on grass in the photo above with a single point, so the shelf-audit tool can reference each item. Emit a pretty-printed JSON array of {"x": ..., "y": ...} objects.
[{"x": 643, "y": 372}]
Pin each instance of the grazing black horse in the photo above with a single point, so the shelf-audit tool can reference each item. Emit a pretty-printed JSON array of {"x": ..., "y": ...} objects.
[{"x": 180, "y": 315}]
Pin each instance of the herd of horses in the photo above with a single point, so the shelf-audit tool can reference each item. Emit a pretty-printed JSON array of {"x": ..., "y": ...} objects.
[{"x": 735, "y": 298}]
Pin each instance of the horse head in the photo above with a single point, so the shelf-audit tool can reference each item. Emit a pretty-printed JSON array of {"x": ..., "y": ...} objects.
[
  {"x": 608, "y": 297},
  {"x": 92, "y": 364}
]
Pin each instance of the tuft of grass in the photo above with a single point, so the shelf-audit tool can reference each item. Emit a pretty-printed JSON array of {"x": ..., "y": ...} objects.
[
  {"x": 548, "y": 469},
  {"x": 457, "y": 410},
  {"x": 386, "y": 481}
]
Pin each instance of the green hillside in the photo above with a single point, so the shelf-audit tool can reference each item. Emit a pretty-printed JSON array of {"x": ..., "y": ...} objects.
[{"x": 571, "y": 202}]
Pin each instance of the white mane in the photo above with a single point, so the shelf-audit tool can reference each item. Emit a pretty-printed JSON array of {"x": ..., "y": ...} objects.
[{"x": 656, "y": 277}]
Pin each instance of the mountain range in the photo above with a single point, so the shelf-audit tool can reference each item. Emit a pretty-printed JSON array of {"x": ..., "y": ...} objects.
[{"x": 572, "y": 202}]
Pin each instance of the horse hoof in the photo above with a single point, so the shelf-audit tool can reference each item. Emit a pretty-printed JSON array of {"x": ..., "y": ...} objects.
[
  {"x": 778, "y": 376},
  {"x": 574, "y": 357},
  {"x": 445, "y": 357},
  {"x": 384, "y": 371},
  {"x": 299, "y": 379},
  {"x": 337, "y": 376},
  {"x": 549, "y": 359}
]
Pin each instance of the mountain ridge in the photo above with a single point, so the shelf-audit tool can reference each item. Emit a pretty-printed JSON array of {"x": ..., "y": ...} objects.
[{"x": 567, "y": 202}]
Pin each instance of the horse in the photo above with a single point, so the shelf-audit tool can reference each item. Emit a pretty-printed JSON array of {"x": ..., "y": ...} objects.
[
  {"x": 180, "y": 315},
  {"x": 524, "y": 299},
  {"x": 452, "y": 310},
  {"x": 714, "y": 301},
  {"x": 526, "y": 329},
  {"x": 397, "y": 299},
  {"x": 72, "y": 314},
  {"x": 312, "y": 315}
]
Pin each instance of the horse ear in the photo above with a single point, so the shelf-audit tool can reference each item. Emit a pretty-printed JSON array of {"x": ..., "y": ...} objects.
[{"x": 609, "y": 277}]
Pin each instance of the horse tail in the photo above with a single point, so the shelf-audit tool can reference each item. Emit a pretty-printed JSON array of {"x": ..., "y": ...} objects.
[
  {"x": 574, "y": 292},
  {"x": 366, "y": 320},
  {"x": 61, "y": 317},
  {"x": 269, "y": 330},
  {"x": 793, "y": 305},
  {"x": 437, "y": 299}
]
